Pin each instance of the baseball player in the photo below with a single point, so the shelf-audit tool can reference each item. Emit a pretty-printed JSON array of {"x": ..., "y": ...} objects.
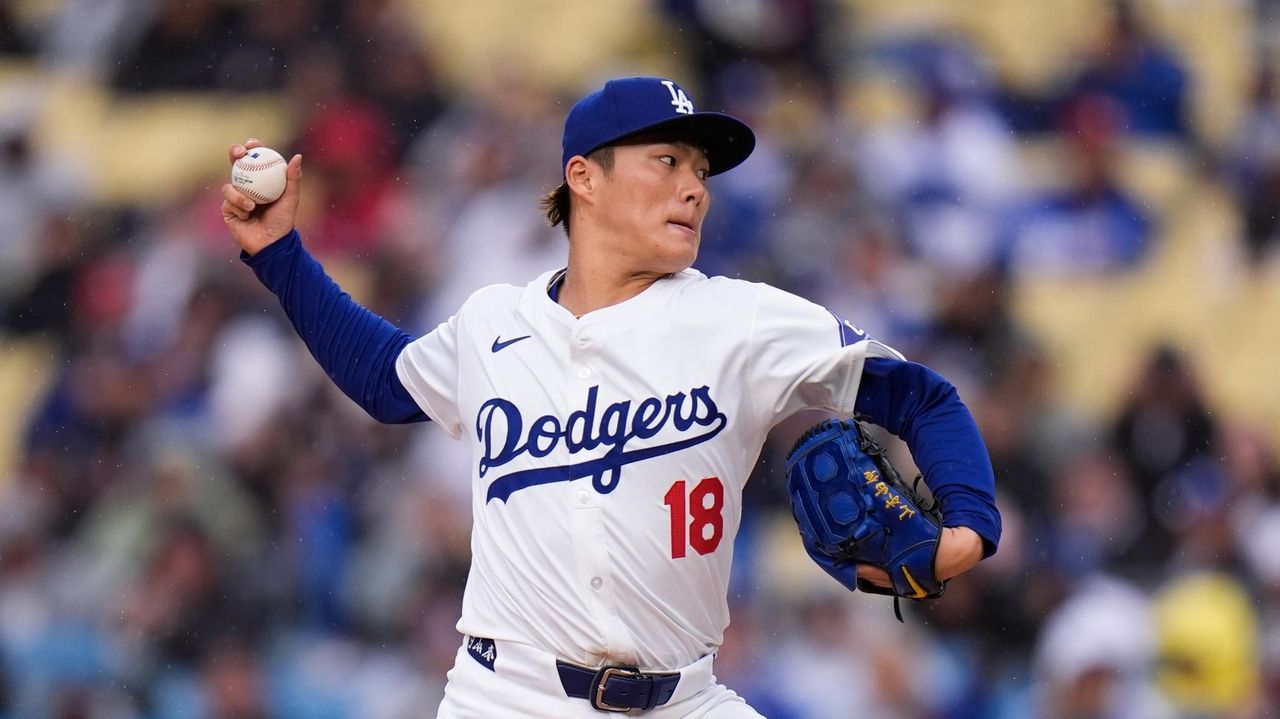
[{"x": 613, "y": 409}]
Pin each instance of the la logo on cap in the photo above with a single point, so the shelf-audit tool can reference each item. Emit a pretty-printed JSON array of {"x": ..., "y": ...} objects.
[{"x": 683, "y": 104}]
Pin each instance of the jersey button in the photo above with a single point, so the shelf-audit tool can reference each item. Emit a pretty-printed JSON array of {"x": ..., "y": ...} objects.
[
  {"x": 583, "y": 340},
  {"x": 596, "y": 582},
  {"x": 584, "y": 372},
  {"x": 583, "y": 497}
]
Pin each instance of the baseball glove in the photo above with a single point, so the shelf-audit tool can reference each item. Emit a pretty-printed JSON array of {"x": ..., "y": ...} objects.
[{"x": 853, "y": 508}]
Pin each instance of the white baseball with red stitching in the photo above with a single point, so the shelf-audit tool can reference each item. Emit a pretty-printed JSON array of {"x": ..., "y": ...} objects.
[{"x": 260, "y": 174}]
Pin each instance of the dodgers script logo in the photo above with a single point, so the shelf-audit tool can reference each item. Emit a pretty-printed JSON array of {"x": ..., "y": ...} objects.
[{"x": 501, "y": 430}]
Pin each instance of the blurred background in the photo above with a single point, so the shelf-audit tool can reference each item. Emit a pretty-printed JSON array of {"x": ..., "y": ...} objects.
[{"x": 1068, "y": 207}]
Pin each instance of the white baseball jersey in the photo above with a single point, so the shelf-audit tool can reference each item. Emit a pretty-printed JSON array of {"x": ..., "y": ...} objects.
[{"x": 609, "y": 452}]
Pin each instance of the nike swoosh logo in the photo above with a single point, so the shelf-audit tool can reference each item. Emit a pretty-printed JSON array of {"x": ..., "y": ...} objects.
[
  {"x": 498, "y": 344},
  {"x": 917, "y": 591}
]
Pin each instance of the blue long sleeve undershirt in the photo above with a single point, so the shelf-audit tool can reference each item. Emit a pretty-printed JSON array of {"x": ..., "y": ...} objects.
[
  {"x": 358, "y": 350},
  {"x": 354, "y": 346},
  {"x": 924, "y": 409}
]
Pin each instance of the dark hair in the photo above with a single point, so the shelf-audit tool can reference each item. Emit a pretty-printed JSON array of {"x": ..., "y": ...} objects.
[{"x": 556, "y": 204}]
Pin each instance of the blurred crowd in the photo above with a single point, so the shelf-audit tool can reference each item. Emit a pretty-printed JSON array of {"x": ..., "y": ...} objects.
[{"x": 199, "y": 525}]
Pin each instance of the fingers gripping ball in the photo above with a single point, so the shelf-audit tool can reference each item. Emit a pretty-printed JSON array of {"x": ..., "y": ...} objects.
[
  {"x": 853, "y": 508},
  {"x": 260, "y": 174}
]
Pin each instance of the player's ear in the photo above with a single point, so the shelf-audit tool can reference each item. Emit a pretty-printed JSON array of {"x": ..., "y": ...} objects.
[{"x": 580, "y": 176}]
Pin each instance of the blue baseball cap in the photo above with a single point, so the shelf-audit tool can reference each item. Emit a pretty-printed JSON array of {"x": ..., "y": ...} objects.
[{"x": 630, "y": 106}]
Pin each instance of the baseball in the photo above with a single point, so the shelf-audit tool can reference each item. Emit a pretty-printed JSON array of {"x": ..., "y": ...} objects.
[{"x": 260, "y": 174}]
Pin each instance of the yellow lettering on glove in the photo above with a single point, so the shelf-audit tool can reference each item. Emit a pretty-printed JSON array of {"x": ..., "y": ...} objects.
[
  {"x": 906, "y": 513},
  {"x": 871, "y": 475},
  {"x": 881, "y": 488}
]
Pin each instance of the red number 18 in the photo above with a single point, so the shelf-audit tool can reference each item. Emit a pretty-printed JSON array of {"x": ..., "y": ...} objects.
[{"x": 706, "y": 516}]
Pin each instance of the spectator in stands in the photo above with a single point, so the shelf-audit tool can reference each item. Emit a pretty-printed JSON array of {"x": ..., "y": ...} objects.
[
  {"x": 350, "y": 149},
  {"x": 1095, "y": 657},
  {"x": 39, "y": 300},
  {"x": 786, "y": 37},
  {"x": 1030, "y": 435},
  {"x": 269, "y": 36},
  {"x": 1093, "y": 225},
  {"x": 1208, "y": 647},
  {"x": 834, "y": 660},
  {"x": 180, "y": 600},
  {"x": 1259, "y": 534},
  {"x": 402, "y": 82},
  {"x": 40, "y": 191},
  {"x": 951, "y": 173},
  {"x": 1255, "y": 165},
  {"x": 15, "y": 39},
  {"x": 1143, "y": 76},
  {"x": 1096, "y": 517},
  {"x": 233, "y": 681},
  {"x": 1164, "y": 425},
  {"x": 974, "y": 332},
  {"x": 871, "y": 276},
  {"x": 743, "y": 662},
  {"x": 476, "y": 167},
  {"x": 181, "y": 48},
  {"x": 824, "y": 203}
]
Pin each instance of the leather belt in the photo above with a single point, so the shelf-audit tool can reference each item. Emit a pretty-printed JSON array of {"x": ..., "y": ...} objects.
[{"x": 617, "y": 689}]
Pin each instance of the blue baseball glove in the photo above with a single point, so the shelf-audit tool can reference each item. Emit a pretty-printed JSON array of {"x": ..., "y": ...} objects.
[{"x": 853, "y": 508}]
